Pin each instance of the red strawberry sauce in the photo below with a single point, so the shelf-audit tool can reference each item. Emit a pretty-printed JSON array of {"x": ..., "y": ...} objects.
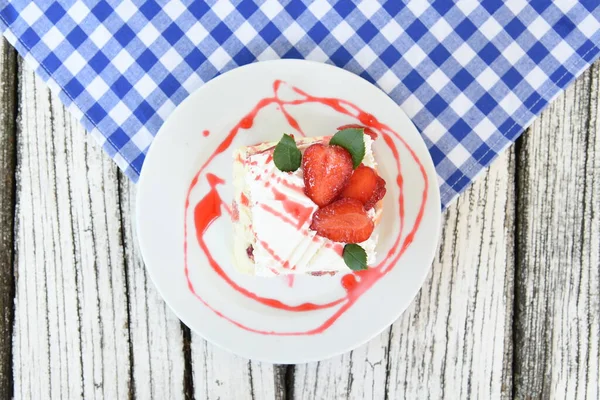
[{"x": 208, "y": 209}]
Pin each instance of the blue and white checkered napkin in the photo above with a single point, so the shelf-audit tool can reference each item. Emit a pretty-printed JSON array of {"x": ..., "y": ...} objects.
[{"x": 472, "y": 74}]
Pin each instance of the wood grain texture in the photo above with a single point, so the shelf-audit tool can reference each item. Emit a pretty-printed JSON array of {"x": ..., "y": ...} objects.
[
  {"x": 359, "y": 374},
  {"x": 454, "y": 341},
  {"x": 71, "y": 338},
  {"x": 219, "y": 374},
  {"x": 8, "y": 99},
  {"x": 156, "y": 336},
  {"x": 89, "y": 322},
  {"x": 557, "y": 315}
]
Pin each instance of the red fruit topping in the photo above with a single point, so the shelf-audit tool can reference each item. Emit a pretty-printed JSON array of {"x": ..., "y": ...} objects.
[
  {"x": 343, "y": 221},
  {"x": 321, "y": 273},
  {"x": 245, "y": 201},
  {"x": 365, "y": 186},
  {"x": 327, "y": 170},
  {"x": 235, "y": 212},
  {"x": 349, "y": 282}
]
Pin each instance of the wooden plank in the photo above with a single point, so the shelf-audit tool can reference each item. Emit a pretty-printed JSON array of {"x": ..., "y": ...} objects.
[
  {"x": 359, "y": 374},
  {"x": 454, "y": 341},
  {"x": 156, "y": 335},
  {"x": 71, "y": 338},
  {"x": 8, "y": 98},
  {"x": 89, "y": 322},
  {"x": 557, "y": 314},
  {"x": 219, "y": 374}
]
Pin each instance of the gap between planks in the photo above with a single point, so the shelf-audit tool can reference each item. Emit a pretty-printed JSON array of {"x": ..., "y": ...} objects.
[
  {"x": 8, "y": 113},
  {"x": 557, "y": 306}
]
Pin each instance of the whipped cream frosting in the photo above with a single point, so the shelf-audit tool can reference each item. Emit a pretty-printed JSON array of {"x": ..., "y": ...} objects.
[{"x": 272, "y": 215}]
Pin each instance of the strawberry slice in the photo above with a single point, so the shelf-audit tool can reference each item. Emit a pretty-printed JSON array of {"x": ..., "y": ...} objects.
[
  {"x": 343, "y": 221},
  {"x": 365, "y": 186},
  {"x": 327, "y": 170}
]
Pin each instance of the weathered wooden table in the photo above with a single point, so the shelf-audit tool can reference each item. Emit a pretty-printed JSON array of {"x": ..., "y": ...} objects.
[{"x": 511, "y": 306}]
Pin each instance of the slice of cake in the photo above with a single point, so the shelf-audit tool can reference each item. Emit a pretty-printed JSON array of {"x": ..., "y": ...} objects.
[{"x": 299, "y": 222}]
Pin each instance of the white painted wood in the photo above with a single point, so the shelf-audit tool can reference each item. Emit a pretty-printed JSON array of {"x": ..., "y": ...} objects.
[
  {"x": 156, "y": 333},
  {"x": 219, "y": 374},
  {"x": 70, "y": 337},
  {"x": 78, "y": 264},
  {"x": 558, "y": 269},
  {"x": 360, "y": 374},
  {"x": 454, "y": 340}
]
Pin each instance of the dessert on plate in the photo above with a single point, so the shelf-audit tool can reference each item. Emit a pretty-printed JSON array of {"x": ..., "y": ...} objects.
[{"x": 306, "y": 205}]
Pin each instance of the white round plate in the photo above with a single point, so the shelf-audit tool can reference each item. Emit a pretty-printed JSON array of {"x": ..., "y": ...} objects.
[{"x": 243, "y": 313}]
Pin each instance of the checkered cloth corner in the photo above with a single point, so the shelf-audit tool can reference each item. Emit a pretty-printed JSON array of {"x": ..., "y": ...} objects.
[{"x": 471, "y": 74}]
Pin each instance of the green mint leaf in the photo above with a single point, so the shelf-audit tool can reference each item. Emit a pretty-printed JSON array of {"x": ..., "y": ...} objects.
[
  {"x": 353, "y": 140},
  {"x": 355, "y": 257},
  {"x": 286, "y": 155}
]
